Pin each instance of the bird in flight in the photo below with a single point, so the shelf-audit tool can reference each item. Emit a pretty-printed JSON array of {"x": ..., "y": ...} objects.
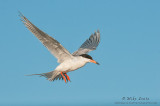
[{"x": 68, "y": 62}]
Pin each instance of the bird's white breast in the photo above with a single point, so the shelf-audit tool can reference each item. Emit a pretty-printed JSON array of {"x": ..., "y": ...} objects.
[{"x": 72, "y": 64}]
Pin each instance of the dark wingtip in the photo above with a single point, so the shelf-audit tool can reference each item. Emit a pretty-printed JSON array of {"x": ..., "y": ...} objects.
[
  {"x": 96, "y": 32},
  {"x": 20, "y": 14}
]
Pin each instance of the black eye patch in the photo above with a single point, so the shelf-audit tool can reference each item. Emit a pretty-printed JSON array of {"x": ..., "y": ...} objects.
[{"x": 86, "y": 56}]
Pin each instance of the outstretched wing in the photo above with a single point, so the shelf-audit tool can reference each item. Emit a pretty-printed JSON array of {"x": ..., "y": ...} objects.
[
  {"x": 50, "y": 43},
  {"x": 89, "y": 45}
]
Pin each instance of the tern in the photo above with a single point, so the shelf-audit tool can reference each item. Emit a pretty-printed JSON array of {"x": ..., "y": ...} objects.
[{"x": 68, "y": 62}]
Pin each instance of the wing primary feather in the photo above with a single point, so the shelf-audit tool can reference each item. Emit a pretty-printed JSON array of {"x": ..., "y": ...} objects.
[
  {"x": 89, "y": 45},
  {"x": 50, "y": 43}
]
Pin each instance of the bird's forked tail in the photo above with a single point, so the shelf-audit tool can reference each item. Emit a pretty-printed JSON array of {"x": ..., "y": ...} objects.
[{"x": 53, "y": 75}]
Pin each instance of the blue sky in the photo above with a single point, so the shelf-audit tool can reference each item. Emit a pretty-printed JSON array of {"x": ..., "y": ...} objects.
[{"x": 129, "y": 51}]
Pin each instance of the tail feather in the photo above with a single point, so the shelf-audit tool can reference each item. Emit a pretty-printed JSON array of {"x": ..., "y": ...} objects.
[{"x": 51, "y": 76}]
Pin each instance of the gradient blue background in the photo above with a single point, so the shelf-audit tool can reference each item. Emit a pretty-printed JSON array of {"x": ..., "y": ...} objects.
[{"x": 129, "y": 51}]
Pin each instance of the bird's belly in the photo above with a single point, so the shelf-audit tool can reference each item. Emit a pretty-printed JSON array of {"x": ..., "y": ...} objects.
[
  {"x": 70, "y": 66},
  {"x": 76, "y": 65}
]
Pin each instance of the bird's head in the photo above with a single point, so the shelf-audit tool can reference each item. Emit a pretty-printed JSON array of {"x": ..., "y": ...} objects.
[{"x": 89, "y": 58}]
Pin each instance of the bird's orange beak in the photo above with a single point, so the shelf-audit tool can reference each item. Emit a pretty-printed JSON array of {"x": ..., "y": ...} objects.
[{"x": 94, "y": 62}]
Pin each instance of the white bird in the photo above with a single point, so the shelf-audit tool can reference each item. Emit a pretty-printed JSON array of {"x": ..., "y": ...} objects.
[{"x": 68, "y": 62}]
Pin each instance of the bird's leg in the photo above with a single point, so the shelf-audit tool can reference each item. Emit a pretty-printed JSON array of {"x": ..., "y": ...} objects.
[
  {"x": 67, "y": 76},
  {"x": 63, "y": 77}
]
